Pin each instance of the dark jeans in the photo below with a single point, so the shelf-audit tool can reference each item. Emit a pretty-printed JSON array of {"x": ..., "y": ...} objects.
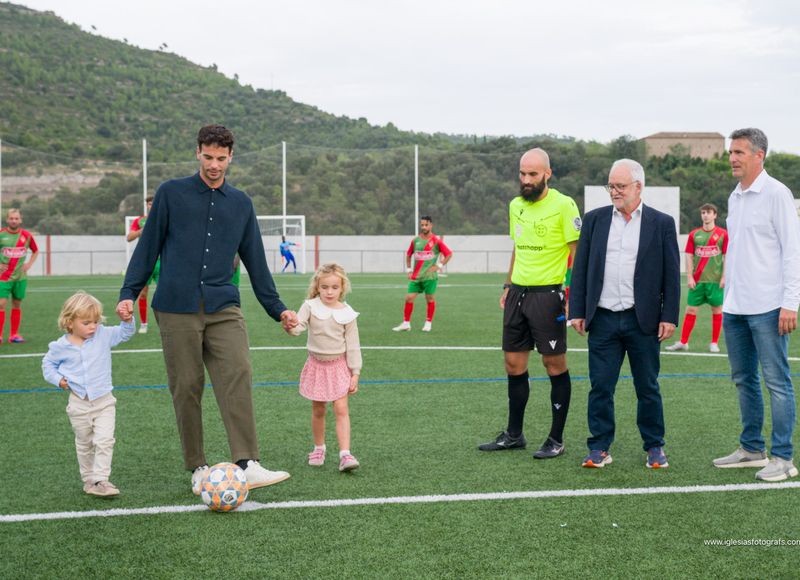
[{"x": 612, "y": 335}]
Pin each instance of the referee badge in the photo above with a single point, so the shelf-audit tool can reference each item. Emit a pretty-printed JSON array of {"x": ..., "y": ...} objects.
[{"x": 576, "y": 223}]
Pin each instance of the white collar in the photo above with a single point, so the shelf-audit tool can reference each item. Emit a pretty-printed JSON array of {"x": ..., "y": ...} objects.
[
  {"x": 340, "y": 315},
  {"x": 756, "y": 186}
]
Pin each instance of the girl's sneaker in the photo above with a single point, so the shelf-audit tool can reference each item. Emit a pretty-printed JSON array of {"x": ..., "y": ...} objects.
[
  {"x": 348, "y": 463},
  {"x": 316, "y": 457}
]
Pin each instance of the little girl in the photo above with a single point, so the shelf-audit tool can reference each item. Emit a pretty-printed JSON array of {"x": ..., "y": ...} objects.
[
  {"x": 80, "y": 362},
  {"x": 334, "y": 359}
]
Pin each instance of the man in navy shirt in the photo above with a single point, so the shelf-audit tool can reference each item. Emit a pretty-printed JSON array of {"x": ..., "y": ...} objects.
[{"x": 197, "y": 225}]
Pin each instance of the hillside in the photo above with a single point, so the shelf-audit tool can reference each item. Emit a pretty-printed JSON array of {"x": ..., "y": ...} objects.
[
  {"x": 67, "y": 91},
  {"x": 75, "y": 107}
]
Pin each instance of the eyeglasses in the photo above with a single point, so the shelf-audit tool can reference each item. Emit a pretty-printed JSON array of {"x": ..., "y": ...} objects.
[{"x": 620, "y": 187}]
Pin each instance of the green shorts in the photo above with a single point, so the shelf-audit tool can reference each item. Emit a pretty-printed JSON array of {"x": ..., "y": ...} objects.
[
  {"x": 153, "y": 279},
  {"x": 426, "y": 286},
  {"x": 14, "y": 289},
  {"x": 706, "y": 293}
]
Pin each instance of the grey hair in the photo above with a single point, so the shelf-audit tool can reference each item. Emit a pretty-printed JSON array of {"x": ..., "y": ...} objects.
[
  {"x": 636, "y": 169},
  {"x": 756, "y": 137}
]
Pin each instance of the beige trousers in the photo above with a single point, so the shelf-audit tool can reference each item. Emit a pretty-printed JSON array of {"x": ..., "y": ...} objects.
[
  {"x": 93, "y": 424},
  {"x": 218, "y": 342}
]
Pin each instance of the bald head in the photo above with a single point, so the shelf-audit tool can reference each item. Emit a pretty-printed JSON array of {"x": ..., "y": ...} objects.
[{"x": 538, "y": 156}]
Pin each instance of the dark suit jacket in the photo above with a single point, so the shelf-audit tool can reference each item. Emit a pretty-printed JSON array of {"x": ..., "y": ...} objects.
[{"x": 656, "y": 280}]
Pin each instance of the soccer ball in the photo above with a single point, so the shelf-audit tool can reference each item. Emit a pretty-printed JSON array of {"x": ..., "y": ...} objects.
[{"x": 224, "y": 488}]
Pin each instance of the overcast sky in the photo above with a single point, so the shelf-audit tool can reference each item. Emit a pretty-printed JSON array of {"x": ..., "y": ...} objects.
[{"x": 582, "y": 68}]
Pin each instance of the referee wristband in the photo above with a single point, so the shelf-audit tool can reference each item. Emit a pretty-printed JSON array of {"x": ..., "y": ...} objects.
[{"x": 506, "y": 286}]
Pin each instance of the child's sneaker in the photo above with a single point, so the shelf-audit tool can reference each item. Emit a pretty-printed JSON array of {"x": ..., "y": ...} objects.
[
  {"x": 427, "y": 326},
  {"x": 316, "y": 457},
  {"x": 143, "y": 328},
  {"x": 348, "y": 463},
  {"x": 101, "y": 489},
  {"x": 16, "y": 338},
  {"x": 713, "y": 347},
  {"x": 404, "y": 326}
]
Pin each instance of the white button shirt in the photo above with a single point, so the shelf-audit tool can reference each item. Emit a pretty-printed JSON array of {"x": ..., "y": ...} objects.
[
  {"x": 621, "y": 253},
  {"x": 762, "y": 267}
]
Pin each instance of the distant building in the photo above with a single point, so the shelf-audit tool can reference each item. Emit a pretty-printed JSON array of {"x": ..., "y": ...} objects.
[{"x": 702, "y": 145}]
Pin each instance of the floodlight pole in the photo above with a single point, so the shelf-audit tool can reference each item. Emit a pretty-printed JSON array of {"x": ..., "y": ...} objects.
[
  {"x": 416, "y": 187},
  {"x": 144, "y": 176},
  {"x": 283, "y": 143}
]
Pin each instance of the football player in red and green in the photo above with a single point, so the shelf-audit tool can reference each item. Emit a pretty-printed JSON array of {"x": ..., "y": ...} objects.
[
  {"x": 136, "y": 231},
  {"x": 705, "y": 276},
  {"x": 14, "y": 246},
  {"x": 425, "y": 250}
]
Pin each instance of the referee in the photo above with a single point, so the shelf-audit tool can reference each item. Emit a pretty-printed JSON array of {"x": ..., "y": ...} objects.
[{"x": 545, "y": 226}]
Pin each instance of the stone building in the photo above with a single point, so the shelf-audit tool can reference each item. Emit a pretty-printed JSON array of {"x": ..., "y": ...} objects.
[{"x": 702, "y": 145}]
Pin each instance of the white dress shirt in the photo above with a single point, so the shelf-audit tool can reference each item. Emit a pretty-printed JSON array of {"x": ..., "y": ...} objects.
[
  {"x": 762, "y": 267},
  {"x": 621, "y": 253},
  {"x": 87, "y": 368}
]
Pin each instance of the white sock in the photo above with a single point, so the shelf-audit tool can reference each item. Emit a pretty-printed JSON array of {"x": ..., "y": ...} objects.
[{"x": 344, "y": 452}]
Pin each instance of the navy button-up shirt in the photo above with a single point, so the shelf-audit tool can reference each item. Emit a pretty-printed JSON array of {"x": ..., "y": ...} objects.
[{"x": 197, "y": 231}]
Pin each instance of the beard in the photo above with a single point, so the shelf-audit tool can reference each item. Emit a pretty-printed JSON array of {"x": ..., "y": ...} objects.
[{"x": 533, "y": 192}]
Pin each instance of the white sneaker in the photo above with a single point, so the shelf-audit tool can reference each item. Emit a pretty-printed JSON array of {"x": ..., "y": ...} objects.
[
  {"x": 198, "y": 475},
  {"x": 777, "y": 469},
  {"x": 402, "y": 327},
  {"x": 427, "y": 326},
  {"x": 742, "y": 458},
  {"x": 678, "y": 346},
  {"x": 257, "y": 476},
  {"x": 713, "y": 347},
  {"x": 143, "y": 328}
]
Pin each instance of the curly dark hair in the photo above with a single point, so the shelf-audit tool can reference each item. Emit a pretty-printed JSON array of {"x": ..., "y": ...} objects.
[{"x": 215, "y": 135}]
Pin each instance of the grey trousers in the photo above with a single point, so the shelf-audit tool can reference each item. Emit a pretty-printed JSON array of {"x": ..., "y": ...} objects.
[{"x": 219, "y": 342}]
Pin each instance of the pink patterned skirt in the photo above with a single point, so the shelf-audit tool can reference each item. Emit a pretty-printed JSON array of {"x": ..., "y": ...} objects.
[{"x": 325, "y": 380}]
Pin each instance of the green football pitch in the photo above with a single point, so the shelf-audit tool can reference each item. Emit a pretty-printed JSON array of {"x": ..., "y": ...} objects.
[{"x": 425, "y": 502}]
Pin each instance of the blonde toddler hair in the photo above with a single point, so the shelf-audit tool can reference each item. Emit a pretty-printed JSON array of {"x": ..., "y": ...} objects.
[
  {"x": 79, "y": 305},
  {"x": 327, "y": 270}
]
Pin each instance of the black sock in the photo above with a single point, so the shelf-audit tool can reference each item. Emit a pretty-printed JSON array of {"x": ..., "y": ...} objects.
[
  {"x": 560, "y": 393},
  {"x": 242, "y": 463},
  {"x": 518, "y": 391}
]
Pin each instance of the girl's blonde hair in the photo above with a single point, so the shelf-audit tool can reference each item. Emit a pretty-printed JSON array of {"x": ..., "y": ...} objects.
[
  {"x": 79, "y": 305},
  {"x": 327, "y": 270}
]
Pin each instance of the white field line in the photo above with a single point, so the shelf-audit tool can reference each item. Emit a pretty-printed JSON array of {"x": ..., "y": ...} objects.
[
  {"x": 453, "y": 348},
  {"x": 414, "y": 499}
]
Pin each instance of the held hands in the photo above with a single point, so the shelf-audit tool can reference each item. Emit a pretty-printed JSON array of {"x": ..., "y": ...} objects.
[
  {"x": 579, "y": 324},
  {"x": 787, "y": 321},
  {"x": 125, "y": 310},
  {"x": 63, "y": 384},
  {"x": 353, "y": 385},
  {"x": 288, "y": 320}
]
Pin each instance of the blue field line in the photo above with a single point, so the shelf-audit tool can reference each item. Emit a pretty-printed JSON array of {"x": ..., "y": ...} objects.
[{"x": 385, "y": 382}]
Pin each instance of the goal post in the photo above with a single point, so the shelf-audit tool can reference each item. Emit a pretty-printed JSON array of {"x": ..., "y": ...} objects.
[{"x": 293, "y": 227}]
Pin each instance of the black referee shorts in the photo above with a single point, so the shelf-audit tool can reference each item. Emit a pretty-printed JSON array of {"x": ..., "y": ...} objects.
[{"x": 535, "y": 316}]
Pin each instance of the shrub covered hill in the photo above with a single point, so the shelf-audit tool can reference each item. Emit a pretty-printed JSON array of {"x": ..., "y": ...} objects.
[{"x": 76, "y": 106}]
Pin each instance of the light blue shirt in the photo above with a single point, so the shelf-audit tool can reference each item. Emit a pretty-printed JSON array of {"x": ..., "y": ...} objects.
[
  {"x": 762, "y": 267},
  {"x": 621, "y": 253},
  {"x": 87, "y": 368}
]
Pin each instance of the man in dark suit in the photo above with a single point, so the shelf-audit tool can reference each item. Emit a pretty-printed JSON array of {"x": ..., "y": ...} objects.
[{"x": 626, "y": 293}]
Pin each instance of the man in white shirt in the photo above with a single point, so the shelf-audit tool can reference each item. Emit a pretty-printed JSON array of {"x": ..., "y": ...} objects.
[{"x": 762, "y": 294}]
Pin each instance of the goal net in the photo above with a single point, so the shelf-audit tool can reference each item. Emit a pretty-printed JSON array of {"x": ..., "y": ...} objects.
[
  {"x": 272, "y": 227},
  {"x": 293, "y": 228}
]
